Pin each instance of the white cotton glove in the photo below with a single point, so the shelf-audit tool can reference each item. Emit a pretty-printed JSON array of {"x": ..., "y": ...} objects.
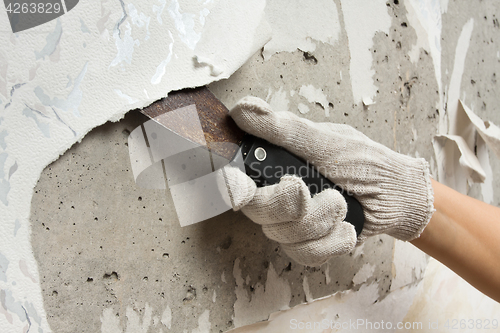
[{"x": 394, "y": 190}]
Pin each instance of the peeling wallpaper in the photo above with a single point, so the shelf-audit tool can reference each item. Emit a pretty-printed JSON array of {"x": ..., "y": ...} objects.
[{"x": 63, "y": 78}]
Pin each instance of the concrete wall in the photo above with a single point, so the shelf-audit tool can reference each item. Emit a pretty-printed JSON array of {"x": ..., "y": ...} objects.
[{"x": 85, "y": 249}]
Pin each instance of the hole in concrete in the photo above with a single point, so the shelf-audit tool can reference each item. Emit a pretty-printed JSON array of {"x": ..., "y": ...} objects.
[
  {"x": 112, "y": 276},
  {"x": 288, "y": 268},
  {"x": 226, "y": 243},
  {"x": 190, "y": 295},
  {"x": 308, "y": 57}
]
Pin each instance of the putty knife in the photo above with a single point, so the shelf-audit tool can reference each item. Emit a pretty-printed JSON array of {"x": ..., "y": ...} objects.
[{"x": 264, "y": 162}]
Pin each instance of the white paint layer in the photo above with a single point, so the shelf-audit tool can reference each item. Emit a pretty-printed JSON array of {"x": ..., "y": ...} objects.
[
  {"x": 455, "y": 160},
  {"x": 484, "y": 159},
  {"x": 408, "y": 264},
  {"x": 303, "y": 108},
  {"x": 456, "y": 125},
  {"x": 297, "y": 24},
  {"x": 425, "y": 17},
  {"x": 226, "y": 30},
  {"x": 203, "y": 323},
  {"x": 275, "y": 295},
  {"x": 166, "y": 317},
  {"x": 443, "y": 295},
  {"x": 364, "y": 273},
  {"x": 278, "y": 101},
  {"x": 307, "y": 290},
  {"x": 374, "y": 17},
  {"x": 315, "y": 95},
  {"x": 339, "y": 312}
]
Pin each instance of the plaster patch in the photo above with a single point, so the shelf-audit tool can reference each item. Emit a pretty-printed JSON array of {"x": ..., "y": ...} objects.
[
  {"x": 275, "y": 295},
  {"x": 341, "y": 312},
  {"x": 110, "y": 322},
  {"x": 226, "y": 30},
  {"x": 364, "y": 273},
  {"x": 297, "y": 24},
  {"x": 409, "y": 265},
  {"x": 456, "y": 162},
  {"x": 464, "y": 157},
  {"x": 455, "y": 123},
  {"x": 444, "y": 6},
  {"x": 203, "y": 323},
  {"x": 425, "y": 18},
  {"x": 443, "y": 293},
  {"x": 307, "y": 290},
  {"x": 453, "y": 155},
  {"x": 166, "y": 317},
  {"x": 358, "y": 251},
  {"x": 315, "y": 95},
  {"x": 484, "y": 159},
  {"x": 303, "y": 108},
  {"x": 486, "y": 129},
  {"x": 489, "y": 136},
  {"x": 278, "y": 100},
  {"x": 328, "y": 279},
  {"x": 375, "y": 18},
  {"x": 136, "y": 324},
  {"x": 466, "y": 160}
]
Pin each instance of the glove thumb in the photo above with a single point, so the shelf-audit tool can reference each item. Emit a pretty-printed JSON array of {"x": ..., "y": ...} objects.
[{"x": 240, "y": 187}]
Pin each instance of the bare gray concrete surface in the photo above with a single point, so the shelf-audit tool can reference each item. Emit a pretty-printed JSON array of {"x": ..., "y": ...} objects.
[{"x": 105, "y": 246}]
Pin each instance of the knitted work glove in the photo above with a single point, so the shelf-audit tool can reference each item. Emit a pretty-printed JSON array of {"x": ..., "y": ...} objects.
[{"x": 394, "y": 190}]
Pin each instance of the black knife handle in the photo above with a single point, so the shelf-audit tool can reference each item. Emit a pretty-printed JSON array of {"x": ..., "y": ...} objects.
[{"x": 266, "y": 163}]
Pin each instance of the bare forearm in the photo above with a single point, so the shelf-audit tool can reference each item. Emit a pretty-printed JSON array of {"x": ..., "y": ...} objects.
[{"x": 464, "y": 234}]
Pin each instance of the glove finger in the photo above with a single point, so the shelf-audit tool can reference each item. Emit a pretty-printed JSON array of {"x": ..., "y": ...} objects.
[
  {"x": 298, "y": 135},
  {"x": 341, "y": 240},
  {"x": 285, "y": 201},
  {"x": 240, "y": 187},
  {"x": 327, "y": 208},
  {"x": 344, "y": 130}
]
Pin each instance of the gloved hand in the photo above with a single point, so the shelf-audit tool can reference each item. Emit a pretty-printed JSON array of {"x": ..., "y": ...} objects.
[{"x": 394, "y": 190}]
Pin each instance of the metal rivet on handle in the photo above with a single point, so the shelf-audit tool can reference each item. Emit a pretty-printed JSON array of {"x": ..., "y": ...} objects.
[{"x": 260, "y": 154}]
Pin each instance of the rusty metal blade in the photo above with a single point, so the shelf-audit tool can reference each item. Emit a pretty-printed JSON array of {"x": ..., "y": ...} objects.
[{"x": 214, "y": 117}]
